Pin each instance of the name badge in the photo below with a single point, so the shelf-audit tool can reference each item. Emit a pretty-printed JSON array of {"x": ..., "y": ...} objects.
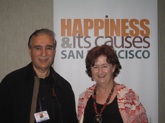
[{"x": 41, "y": 116}]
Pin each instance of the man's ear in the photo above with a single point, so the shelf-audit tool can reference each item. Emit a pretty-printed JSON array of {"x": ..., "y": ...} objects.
[{"x": 29, "y": 50}]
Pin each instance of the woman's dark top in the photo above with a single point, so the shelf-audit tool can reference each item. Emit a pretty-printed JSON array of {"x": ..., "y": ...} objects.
[{"x": 110, "y": 114}]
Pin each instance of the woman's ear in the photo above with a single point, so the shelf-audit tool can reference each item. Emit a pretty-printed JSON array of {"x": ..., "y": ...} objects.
[{"x": 114, "y": 67}]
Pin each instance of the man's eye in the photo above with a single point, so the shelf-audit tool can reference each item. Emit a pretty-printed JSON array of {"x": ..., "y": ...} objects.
[
  {"x": 50, "y": 47},
  {"x": 37, "y": 48}
]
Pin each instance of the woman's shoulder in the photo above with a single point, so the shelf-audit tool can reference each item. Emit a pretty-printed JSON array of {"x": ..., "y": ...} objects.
[
  {"x": 123, "y": 87},
  {"x": 124, "y": 91},
  {"x": 88, "y": 91}
]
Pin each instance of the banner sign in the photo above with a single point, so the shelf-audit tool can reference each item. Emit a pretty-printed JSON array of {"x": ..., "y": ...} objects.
[{"x": 129, "y": 26}]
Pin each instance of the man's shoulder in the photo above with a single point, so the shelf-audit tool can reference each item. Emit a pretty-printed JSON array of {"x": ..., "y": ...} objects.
[
  {"x": 60, "y": 78},
  {"x": 17, "y": 73},
  {"x": 60, "y": 81}
]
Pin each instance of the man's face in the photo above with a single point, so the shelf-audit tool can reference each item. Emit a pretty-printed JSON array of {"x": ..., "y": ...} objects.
[{"x": 42, "y": 52}]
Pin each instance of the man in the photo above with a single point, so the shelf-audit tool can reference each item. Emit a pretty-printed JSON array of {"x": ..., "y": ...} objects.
[{"x": 55, "y": 101}]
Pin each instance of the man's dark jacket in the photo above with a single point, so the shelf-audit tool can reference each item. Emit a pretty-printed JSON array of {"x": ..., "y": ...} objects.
[{"x": 16, "y": 91}]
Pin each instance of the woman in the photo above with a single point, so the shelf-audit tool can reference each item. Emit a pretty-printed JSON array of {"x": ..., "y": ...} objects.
[{"x": 107, "y": 101}]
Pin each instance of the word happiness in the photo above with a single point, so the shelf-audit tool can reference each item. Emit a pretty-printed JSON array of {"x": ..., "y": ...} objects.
[
  {"x": 130, "y": 37},
  {"x": 111, "y": 27}
]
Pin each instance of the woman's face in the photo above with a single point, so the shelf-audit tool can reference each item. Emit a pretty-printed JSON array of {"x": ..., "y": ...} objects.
[{"x": 102, "y": 72}]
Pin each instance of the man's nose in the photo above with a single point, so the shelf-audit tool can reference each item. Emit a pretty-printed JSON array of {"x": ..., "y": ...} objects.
[{"x": 43, "y": 53}]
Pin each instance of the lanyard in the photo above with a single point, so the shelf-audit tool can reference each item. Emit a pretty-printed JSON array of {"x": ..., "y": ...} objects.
[{"x": 40, "y": 106}]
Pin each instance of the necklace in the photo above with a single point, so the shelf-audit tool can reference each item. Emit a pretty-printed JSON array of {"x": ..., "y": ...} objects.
[{"x": 98, "y": 116}]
